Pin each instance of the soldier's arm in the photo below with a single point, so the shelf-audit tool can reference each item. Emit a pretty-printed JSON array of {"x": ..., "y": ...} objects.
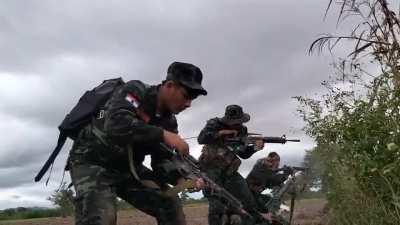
[
  {"x": 209, "y": 134},
  {"x": 277, "y": 179},
  {"x": 249, "y": 150},
  {"x": 255, "y": 178},
  {"x": 122, "y": 121}
]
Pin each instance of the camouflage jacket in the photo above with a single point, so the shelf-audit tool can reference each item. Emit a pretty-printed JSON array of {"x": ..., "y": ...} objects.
[
  {"x": 218, "y": 153},
  {"x": 105, "y": 140},
  {"x": 261, "y": 177}
]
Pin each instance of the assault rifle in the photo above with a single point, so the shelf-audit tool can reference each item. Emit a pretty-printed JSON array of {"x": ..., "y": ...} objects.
[
  {"x": 188, "y": 167},
  {"x": 292, "y": 169},
  {"x": 252, "y": 137}
]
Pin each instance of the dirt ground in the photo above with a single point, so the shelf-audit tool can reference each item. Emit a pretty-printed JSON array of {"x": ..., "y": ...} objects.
[{"x": 307, "y": 212}]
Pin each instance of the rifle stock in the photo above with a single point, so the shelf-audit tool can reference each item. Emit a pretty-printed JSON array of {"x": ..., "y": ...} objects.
[{"x": 189, "y": 168}]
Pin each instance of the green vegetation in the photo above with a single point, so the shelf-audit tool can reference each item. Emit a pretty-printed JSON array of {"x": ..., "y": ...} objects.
[
  {"x": 28, "y": 213},
  {"x": 63, "y": 198},
  {"x": 356, "y": 124}
]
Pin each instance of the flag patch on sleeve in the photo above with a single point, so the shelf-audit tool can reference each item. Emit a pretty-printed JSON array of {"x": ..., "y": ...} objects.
[{"x": 133, "y": 100}]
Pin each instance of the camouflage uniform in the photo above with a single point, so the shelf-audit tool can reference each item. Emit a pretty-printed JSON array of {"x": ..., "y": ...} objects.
[
  {"x": 260, "y": 178},
  {"x": 220, "y": 161},
  {"x": 100, "y": 166}
]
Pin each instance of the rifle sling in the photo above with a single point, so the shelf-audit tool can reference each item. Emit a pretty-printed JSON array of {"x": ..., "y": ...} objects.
[
  {"x": 291, "y": 208},
  {"x": 146, "y": 183}
]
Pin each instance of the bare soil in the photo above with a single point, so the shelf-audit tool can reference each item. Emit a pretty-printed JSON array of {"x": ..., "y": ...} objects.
[{"x": 307, "y": 212}]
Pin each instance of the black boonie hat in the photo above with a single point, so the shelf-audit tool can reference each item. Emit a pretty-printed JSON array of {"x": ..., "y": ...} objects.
[
  {"x": 234, "y": 115},
  {"x": 188, "y": 75}
]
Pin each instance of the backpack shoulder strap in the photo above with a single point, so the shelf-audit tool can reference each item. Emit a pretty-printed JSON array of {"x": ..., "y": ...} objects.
[
  {"x": 79, "y": 116},
  {"x": 60, "y": 142}
]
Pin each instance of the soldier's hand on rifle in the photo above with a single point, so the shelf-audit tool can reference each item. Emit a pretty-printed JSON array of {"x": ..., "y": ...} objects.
[
  {"x": 231, "y": 133},
  {"x": 175, "y": 141},
  {"x": 267, "y": 216},
  {"x": 287, "y": 170},
  {"x": 199, "y": 184}
]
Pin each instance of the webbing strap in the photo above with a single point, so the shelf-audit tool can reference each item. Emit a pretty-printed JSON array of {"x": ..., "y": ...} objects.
[
  {"x": 131, "y": 163},
  {"x": 60, "y": 142},
  {"x": 146, "y": 183},
  {"x": 291, "y": 208}
]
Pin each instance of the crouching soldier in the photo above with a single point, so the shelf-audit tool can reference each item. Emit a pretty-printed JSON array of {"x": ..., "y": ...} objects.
[
  {"x": 107, "y": 157},
  {"x": 264, "y": 176},
  {"x": 220, "y": 160}
]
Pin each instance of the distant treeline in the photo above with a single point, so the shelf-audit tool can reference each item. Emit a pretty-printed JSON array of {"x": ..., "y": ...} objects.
[
  {"x": 28, "y": 213},
  {"x": 20, "y": 213}
]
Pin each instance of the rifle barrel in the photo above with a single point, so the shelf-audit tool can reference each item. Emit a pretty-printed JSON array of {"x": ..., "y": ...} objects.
[
  {"x": 297, "y": 168},
  {"x": 280, "y": 140}
]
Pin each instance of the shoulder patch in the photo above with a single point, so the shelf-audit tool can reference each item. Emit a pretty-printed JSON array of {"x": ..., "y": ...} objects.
[
  {"x": 136, "y": 88},
  {"x": 133, "y": 100}
]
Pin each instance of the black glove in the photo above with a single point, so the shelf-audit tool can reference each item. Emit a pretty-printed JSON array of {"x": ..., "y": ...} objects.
[{"x": 287, "y": 170}]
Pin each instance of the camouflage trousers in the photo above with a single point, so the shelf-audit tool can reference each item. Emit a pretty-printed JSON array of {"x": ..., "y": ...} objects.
[
  {"x": 218, "y": 213},
  {"x": 262, "y": 200},
  {"x": 265, "y": 203},
  {"x": 97, "y": 189}
]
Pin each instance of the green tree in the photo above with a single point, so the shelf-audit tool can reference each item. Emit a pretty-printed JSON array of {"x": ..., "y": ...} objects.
[
  {"x": 315, "y": 169},
  {"x": 355, "y": 123},
  {"x": 63, "y": 198}
]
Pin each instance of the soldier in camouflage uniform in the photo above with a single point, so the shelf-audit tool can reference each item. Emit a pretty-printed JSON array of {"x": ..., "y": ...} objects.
[
  {"x": 263, "y": 176},
  {"x": 220, "y": 160},
  {"x": 106, "y": 159}
]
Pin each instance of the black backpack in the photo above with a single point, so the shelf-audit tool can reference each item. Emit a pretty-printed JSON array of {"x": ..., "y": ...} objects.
[{"x": 87, "y": 107}]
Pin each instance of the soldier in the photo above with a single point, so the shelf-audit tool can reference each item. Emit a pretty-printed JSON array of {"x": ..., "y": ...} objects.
[
  {"x": 220, "y": 159},
  {"x": 106, "y": 159},
  {"x": 263, "y": 176}
]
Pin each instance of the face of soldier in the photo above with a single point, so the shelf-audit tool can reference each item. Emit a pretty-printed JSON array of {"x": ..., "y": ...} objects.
[
  {"x": 235, "y": 126},
  {"x": 176, "y": 97},
  {"x": 276, "y": 163},
  {"x": 273, "y": 162}
]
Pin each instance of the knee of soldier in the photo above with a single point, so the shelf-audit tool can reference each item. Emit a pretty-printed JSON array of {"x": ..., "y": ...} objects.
[
  {"x": 216, "y": 208},
  {"x": 235, "y": 220},
  {"x": 171, "y": 205},
  {"x": 97, "y": 207}
]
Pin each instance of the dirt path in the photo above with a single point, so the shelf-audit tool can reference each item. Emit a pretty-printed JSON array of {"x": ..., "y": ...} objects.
[{"x": 308, "y": 212}]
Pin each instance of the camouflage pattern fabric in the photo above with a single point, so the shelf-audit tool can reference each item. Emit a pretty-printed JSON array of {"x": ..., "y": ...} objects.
[
  {"x": 218, "y": 154},
  {"x": 260, "y": 178},
  {"x": 100, "y": 166},
  {"x": 220, "y": 161},
  {"x": 97, "y": 189},
  {"x": 209, "y": 137},
  {"x": 237, "y": 186}
]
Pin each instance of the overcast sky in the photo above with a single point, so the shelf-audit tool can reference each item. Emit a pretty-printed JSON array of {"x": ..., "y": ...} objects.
[{"x": 252, "y": 53}]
